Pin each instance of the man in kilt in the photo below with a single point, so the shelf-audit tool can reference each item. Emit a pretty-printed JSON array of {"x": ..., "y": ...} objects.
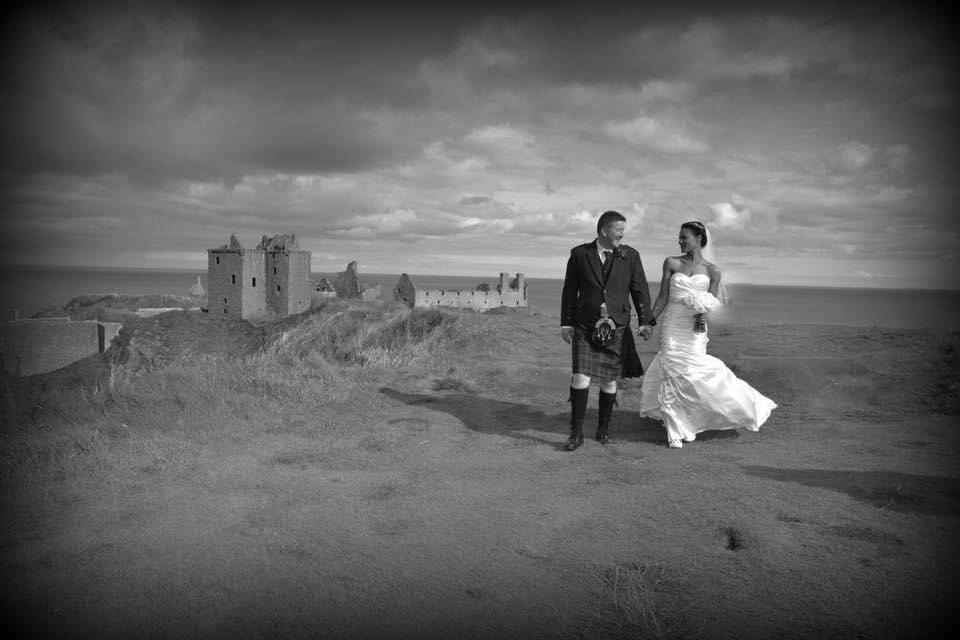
[{"x": 602, "y": 277}]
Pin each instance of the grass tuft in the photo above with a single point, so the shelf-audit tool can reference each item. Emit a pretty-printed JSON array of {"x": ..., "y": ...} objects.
[{"x": 638, "y": 601}]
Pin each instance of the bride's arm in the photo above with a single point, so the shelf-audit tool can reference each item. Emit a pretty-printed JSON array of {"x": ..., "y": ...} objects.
[
  {"x": 714, "y": 273},
  {"x": 664, "y": 294}
]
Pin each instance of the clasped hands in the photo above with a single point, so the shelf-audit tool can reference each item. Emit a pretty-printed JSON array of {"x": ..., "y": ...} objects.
[{"x": 644, "y": 331}]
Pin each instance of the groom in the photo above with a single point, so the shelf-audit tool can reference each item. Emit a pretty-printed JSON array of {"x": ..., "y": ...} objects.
[{"x": 602, "y": 277}]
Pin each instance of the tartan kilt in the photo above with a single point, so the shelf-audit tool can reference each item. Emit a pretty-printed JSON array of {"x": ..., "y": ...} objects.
[{"x": 619, "y": 359}]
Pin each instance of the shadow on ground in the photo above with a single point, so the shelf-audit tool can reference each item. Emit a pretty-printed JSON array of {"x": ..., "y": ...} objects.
[
  {"x": 515, "y": 420},
  {"x": 883, "y": 489}
]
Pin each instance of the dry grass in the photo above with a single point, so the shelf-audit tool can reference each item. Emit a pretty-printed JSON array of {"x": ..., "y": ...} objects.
[
  {"x": 151, "y": 413},
  {"x": 389, "y": 335},
  {"x": 640, "y": 601},
  {"x": 156, "y": 421}
]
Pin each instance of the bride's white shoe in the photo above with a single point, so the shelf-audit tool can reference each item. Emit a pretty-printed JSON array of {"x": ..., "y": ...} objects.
[{"x": 675, "y": 444}]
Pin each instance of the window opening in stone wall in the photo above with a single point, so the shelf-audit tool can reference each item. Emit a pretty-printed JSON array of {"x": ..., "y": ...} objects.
[
  {"x": 233, "y": 278},
  {"x": 278, "y": 287},
  {"x": 224, "y": 301},
  {"x": 274, "y": 271},
  {"x": 218, "y": 260},
  {"x": 254, "y": 281}
]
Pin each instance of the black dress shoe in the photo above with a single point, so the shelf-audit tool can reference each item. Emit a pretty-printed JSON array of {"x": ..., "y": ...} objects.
[
  {"x": 602, "y": 438},
  {"x": 573, "y": 443}
]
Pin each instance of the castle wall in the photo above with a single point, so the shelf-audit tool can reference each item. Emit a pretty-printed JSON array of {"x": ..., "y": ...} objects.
[
  {"x": 289, "y": 289},
  {"x": 408, "y": 292},
  {"x": 236, "y": 283},
  {"x": 271, "y": 280},
  {"x": 276, "y": 269},
  {"x": 298, "y": 282},
  {"x": 224, "y": 273},
  {"x": 29, "y": 347},
  {"x": 253, "y": 284},
  {"x": 469, "y": 299}
]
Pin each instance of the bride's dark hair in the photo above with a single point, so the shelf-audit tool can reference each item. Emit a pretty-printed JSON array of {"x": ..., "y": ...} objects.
[{"x": 698, "y": 229}]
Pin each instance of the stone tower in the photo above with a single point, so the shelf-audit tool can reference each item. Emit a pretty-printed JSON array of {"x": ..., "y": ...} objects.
[
  {"x": 272, "y": 280},
  {"x": 287, "y": 275}
]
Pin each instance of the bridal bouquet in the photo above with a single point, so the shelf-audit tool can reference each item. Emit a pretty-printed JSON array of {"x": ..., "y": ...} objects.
[
  {"x": 703, "y": 303},
  {"x": 700, "y": 301}
]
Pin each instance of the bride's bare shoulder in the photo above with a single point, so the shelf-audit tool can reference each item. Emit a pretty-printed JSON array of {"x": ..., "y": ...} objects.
[
  {"x": 712, "y": 269},
  {"x": 673, "y": 263}
]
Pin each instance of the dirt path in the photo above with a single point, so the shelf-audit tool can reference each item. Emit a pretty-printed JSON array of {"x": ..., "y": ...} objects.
[{"x": 450, "y": 510}]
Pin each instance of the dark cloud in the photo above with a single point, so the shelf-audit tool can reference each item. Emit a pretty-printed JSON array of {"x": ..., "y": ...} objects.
[
  {"x": 176, "y": 90},
  {"x": 195, "y": 90},
  {"x": 138, "y": 124}
]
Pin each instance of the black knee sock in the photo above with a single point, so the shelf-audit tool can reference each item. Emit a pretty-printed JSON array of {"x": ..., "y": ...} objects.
[
  {"x": 578, "y": 408},
  {"x": 607, "y": 402}
]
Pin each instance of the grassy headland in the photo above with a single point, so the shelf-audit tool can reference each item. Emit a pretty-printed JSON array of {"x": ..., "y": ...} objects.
[
  {"x": 372, "y": 471},
  {"x": 114, "y": 307}
]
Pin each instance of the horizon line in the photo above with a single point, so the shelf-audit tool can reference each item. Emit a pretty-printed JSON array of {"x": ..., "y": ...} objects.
[{"x": 198, "y": 271}]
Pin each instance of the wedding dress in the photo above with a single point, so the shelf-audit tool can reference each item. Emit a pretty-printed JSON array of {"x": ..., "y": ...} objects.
[{"x": 684, "y": 387}]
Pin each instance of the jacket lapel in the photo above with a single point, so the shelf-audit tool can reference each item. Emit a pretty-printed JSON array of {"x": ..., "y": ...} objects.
[{"x": 594, "y": 259}]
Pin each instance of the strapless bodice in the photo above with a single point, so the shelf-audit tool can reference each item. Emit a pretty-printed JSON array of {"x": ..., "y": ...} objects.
[{"x": 689, "y": 296}]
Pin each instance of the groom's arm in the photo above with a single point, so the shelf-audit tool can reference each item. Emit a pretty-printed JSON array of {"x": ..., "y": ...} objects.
[
  {"x": 640, "y": 293},
  {"x": 571, "y": 293}
]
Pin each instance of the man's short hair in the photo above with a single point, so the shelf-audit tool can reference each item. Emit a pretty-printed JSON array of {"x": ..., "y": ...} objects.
[{"x": 609, "y": 217}]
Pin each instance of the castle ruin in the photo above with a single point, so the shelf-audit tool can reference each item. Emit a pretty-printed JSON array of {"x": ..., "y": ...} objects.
[
  {"x": 270, "y": 281},
  {"x": 507, "y": 294},
  {"x": 346, "y": 285}
]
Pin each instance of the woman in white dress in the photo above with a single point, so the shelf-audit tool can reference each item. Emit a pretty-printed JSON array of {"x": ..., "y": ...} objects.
[{"x": 684, "y": 387}]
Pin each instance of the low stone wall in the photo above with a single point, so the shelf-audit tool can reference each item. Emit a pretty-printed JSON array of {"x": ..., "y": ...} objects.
[
  {"x": 109, "y": 331},
  {"x": 32, "y": 346}
]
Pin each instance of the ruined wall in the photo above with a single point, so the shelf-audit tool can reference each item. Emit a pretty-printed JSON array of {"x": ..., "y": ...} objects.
[
  {"x": 469, "y": 299},
  {"x": 32, "y": 346},
  {"x": 347, "y": 282},
  {"x": 405, "y": 291},
  {"x": 408, "y": 292},
  {"x": 108, "y": 331}
]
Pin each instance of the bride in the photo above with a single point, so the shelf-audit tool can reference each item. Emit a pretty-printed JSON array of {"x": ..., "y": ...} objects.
[{"x": 684, "y": 387}]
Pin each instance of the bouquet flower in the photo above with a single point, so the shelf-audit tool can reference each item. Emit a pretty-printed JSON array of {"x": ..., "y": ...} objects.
[
  {"x": 703, "y": 303},
  {"x": 700, "y": 301}
]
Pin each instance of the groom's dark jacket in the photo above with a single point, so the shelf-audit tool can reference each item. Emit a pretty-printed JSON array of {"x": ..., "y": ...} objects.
[{"x": 584, "y": 289}]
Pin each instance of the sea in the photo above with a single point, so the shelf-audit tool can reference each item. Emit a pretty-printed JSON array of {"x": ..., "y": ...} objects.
[{"x": 31, "y": 289}]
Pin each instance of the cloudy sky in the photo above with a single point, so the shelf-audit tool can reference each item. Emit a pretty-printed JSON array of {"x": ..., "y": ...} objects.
[{"x": 820, "y": 145}]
